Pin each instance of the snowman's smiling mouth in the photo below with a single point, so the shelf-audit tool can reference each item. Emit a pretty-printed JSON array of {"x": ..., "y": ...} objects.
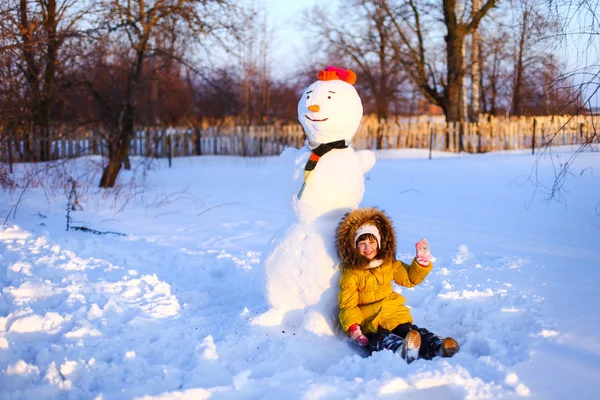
[{"x": 316, "y": 120}]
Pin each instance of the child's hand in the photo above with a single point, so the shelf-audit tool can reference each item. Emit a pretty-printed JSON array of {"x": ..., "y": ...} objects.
[
  {"x": 357, "y": 336},
  {"x": 423, "y": 254}
]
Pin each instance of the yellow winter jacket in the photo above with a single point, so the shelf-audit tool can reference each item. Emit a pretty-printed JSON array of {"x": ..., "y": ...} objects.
[{"x": 366, "y": 296}]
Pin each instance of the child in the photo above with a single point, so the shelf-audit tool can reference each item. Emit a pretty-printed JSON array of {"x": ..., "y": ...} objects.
[{"x": 371, "y": 313}]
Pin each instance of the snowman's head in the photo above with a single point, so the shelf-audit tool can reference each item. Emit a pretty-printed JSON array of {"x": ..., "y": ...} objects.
[{"x": 330, "y": 109}]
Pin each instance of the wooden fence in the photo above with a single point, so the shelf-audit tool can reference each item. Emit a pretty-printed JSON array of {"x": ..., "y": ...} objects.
[{"x": 489, "y": 134}]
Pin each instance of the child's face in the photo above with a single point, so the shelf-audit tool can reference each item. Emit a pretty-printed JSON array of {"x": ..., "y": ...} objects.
[{"x": 367, "y": 248}]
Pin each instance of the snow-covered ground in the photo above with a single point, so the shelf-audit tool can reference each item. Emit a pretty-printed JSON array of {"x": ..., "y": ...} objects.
[{"x": 165, "y": 311}]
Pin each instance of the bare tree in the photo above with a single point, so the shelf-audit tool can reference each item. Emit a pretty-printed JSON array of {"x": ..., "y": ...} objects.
[
  {"x": 579, "y": 37},
  {"x": 34, "y": 37},
  {"x": 363, "y": 40},
  {"x": 532, "y": 32},
  {"x": 141, "y": 29},
  {"x": 514, "y": 51},
  {"x": 517, "y": 90},
  {"x": 409, "y": 20},
  {"x": 475, "y": 69},
  {"x": 255, "y": 69},
  {"x": 496, "y": 70}
]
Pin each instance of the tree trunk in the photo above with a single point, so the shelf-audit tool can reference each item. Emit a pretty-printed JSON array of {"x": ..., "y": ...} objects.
[
  {"x": 117, "y": 154},
  {"x": 493, "y": 97},
  {"x": 475, "y": 70},
  {"x": 465, "y": 99},
  {"x": 382, "y": 105},
  {"x": 516, "y": 102},
  {"x": 31, "y": 69},
  {"x": 483, "y": 91},
  {"x": 128, "y": 132},
  {"x": 453, "y": 93},
  {"x": 44, "y": 112},
  {"x": 118, "y": 149},
  {"x": 453, "y": 98}
]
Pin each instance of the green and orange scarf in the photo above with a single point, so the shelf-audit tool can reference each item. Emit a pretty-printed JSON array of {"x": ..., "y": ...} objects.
[{"x": 317, "y": 153}]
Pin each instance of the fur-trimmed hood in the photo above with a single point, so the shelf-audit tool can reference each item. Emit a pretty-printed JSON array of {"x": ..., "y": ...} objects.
[{"x": 346, "y": 249}]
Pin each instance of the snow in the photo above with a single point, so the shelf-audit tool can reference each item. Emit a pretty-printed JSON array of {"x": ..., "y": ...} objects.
[{"x": 166, "y": 312}]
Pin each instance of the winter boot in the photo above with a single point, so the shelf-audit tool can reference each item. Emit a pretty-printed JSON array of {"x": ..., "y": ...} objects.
[
  {"x": 449, "y": 347},
  {"x": 385, "y": 340},
  {"x": 410, "y": 347}
]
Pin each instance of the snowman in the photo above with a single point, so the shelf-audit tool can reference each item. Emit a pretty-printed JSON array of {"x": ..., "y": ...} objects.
[{"x": 301, "y": 275}]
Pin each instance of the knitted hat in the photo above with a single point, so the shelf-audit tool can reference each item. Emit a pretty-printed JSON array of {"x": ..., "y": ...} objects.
[
  {"x": 333, "y": 73},
  {"x": 368, "y": 228}
]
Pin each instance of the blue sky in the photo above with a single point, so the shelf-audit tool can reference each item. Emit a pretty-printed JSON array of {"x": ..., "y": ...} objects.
[{"x": 289, "y": 45}]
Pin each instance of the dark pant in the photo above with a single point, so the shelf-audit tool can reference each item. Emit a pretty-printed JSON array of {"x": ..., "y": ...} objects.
[{"x": 384, "y": 339}]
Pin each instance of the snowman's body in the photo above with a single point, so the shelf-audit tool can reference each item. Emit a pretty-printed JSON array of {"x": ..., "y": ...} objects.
[
  {"x": 301, "y": 262},
  {"x": 337, "y": 183}
]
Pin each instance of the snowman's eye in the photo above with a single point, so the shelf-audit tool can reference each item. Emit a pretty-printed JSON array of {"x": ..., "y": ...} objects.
[
  {"x": 308, "y": 97},
  {"x": 328, "y": 97}
]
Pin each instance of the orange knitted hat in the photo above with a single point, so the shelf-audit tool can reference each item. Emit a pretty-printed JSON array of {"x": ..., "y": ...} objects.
[{"x": 332, "y": 73}]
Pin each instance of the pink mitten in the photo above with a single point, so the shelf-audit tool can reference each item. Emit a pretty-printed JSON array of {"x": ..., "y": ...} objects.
[
  {"x": 357, "y": 336},
  {"x": 423, "y": 254}
]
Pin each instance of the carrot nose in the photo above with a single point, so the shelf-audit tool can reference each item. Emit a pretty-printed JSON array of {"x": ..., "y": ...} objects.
[{"x": 314, "y": 108}]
